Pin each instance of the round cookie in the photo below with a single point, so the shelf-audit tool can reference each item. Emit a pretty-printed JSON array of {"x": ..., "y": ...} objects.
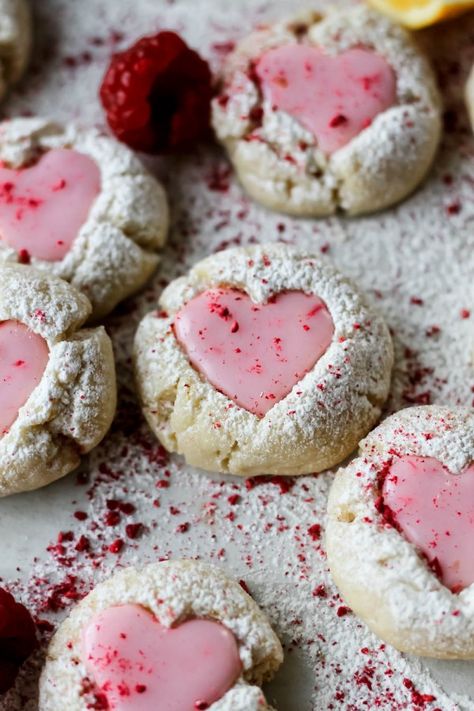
[
  {"x": 262, "y": 360},
  {"x": 57, "y": 382},
  {"x": 81, "y": 206},
  {"x": 113, "y": 643},
  {"x": 470, "y": 96},
  {"x": 329, "y": 112},
  {"x": 400, "y": 528},
  {"x": 15, "y": 41}
]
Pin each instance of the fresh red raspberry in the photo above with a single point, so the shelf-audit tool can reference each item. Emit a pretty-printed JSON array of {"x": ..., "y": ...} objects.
[
  {"x": 17, "y": 638},
  {"x": 157, "y": 94}
]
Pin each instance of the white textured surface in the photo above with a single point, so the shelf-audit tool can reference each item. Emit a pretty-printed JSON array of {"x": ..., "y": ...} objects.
[{"x": 420, "y": 250}]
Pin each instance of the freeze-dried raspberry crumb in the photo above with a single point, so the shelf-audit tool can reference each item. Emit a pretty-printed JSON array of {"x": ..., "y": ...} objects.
[
  {"x": 17, "y": 638},
  {"x": 24, "y": 256},
  {"x": 157, "y": 94}
]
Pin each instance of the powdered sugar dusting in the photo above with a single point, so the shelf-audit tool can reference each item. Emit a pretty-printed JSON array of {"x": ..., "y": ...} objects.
[
  {"x": 412, "y": 261},
  {"x": 71, "y": 408}
]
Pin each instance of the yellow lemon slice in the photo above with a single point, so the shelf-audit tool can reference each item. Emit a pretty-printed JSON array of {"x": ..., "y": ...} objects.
[{"x": 420, "y": 13}]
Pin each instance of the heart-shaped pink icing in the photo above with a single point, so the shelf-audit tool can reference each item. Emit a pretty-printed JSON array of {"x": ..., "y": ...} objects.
[
  {"x": 23, "y": 359},
  {"x": 435, "y": 511},
  {"x": 142, "y": 666},
  {"x": 333, "y": 96},
  {"x": 43, "y": 206},
  {"x": 254, "y": 353}
]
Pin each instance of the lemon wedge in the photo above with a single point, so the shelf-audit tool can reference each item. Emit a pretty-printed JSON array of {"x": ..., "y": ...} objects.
[{"x": 421, "y": 13}]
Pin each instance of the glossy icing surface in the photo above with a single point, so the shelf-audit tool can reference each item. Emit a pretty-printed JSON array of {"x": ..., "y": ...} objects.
[
  {"x": 334, "y": 97},
  {"x": 23, "y": 359},
  {"x": 435, "y": 511},
  {"x": 142, "y": 666},
  {"x": 43, "y": 206},
  {"x": 254, "y": 353}
]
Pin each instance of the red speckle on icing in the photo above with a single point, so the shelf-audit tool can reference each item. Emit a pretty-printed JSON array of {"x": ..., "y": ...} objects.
[
  {"x": 465, "y": 313},
  {"x": 338, "y": 120},
  {"x": 60, "y": 185},
  {"x": 343, "y": 610}
]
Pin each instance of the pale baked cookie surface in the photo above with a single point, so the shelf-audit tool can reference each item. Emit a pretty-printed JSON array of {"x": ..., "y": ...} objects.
[
  {"x": 15, "y": 41},
  {"x": 174, "y": 593},
  {"x": 470, "y": 96},
  {"x": 57, "y": 385},
  {"x": 325, "y": 407},
  {"x": 82, "y": 207},
  {"x": 281, "y": 161},
  {"x": 399, "y": 533}
]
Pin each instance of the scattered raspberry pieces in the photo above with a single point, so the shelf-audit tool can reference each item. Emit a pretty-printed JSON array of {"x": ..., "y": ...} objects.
[
  {"x": 133, "y": 530},
  {"x": 315, "y": 531},
  {"x": 17, "y": 638},
  {"x": 116, "y": 546},
  {"x": 157, "y": 94},
  {"x": 24, "y": 256}
]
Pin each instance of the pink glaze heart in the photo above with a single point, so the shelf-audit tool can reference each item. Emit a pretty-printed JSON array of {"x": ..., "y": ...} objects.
[
  {"x": 435, "y": 511},
  {"x": 43, "y": 207},
  {"x": 142, "y": 666},
  {"x": 334, "y": 97},
  {"x": 23, "y": 359},
  {"x": 254, "y": 353}
]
